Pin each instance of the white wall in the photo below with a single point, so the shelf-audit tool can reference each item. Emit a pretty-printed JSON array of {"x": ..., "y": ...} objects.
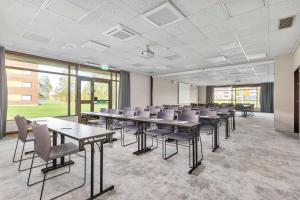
[
  {"x": 284, "y": 94},
  {"x": 296, "y": 58},
  {"x": 202, "y": 94},
  {"x": 140, "y": 90},
  {"x": 164, "y": 92},
  {"x": 194, "y": 94}
]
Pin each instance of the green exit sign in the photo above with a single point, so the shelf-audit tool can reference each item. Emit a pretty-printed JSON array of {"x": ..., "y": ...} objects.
[{"x": 104, "y": 67}]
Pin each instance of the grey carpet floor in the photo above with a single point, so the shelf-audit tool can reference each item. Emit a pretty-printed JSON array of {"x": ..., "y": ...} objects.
[{"x": 256, "y": 162}]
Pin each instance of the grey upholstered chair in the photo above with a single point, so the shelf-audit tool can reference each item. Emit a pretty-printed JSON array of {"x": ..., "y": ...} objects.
[
  {"x": 206, "y": 125},
  {"x": 98, "y": 122},
  {"x": 137, "y": 109},
  {"x": 143, "y": 114},
  {"x": 43, "y": 148},
  {"x": 125, "y": 126},
  {"x": 154, "y": 111},
  {"x": 189, "y": 112},
  {"x": 169, "y": 110},
  {"x": 161, "y": 130},
  {"x": 182, "y": 135},
  {"x": 24, "y": 137},
  {"x": 114, "y": 111}
]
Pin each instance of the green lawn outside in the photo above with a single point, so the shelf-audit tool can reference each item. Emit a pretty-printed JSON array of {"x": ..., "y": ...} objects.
[{"x": 49, "y": 109}]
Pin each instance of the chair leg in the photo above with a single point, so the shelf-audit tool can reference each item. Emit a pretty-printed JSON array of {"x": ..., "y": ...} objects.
[
  {"x": 165, "y": 158},
  {"x": 20, "y": 162},
  {"x": 43, "y": 184},
  {"x": 31, "y": 166},
  {"x": 16, "y": 150}
]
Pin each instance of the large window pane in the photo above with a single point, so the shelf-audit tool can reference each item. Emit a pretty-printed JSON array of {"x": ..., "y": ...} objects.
[
  {"x": 47, "y": 96},
  {"x": 223, "y": 95}
]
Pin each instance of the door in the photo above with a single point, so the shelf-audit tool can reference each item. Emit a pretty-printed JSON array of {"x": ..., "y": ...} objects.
[{"x": 93, "y": 94}]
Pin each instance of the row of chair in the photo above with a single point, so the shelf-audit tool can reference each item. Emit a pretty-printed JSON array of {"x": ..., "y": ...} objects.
[{"x": 165, "y": 133}]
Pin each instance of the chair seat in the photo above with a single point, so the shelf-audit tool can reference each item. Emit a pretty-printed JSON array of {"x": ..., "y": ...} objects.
[
  {"x": 63, "y": 150},
  {"x": 159, "y": 132},
  {"x": 180, "y": 136}
]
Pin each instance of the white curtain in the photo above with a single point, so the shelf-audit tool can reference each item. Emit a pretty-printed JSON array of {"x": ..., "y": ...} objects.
[{"x": 3, "y": 93}]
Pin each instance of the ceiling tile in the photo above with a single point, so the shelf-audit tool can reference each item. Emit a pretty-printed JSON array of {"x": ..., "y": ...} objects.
[
  {"x": 208, "y": 16},
  {"x": 237, "y": 7},
  {"x": 142, "y": 6},
  {"x": 193, "y": 6}
]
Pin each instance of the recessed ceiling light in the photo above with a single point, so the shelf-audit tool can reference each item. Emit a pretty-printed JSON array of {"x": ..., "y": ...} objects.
[
  {"x": 256, "y": 56},
  {"x": 164, "y": 15},
  {"x": 95, "y": 46},
  {"x": 217, "y": 59},
  {"x": 121, "y": 32},
  {"x": 36, "y": 37}
]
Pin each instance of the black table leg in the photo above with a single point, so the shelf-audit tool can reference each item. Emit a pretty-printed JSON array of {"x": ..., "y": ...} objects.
[
  {"x": 233, "y": 121},
  {"x": 227, "y": 127},
  {"x": 216, "y": 137},
  {"x": 196, "y": 162},
  {"x": 92, "y": 195},
  {"x": 142, "y": 148}
]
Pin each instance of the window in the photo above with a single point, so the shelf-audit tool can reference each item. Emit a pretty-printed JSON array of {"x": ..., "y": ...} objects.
[
  {"x": 36, "y": 94},
  {"x": 38, "y": 87},
  {"x": 26, "y": 84},
  {"x": 238, "y": 94},
  {"x": 26, "y": 98},
  {"x": 223, "y": 95}
]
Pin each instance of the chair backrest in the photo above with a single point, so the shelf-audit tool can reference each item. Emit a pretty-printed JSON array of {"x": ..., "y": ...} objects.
[
  {"x": 103, "y": 110},
  {"x": 42, "y": 143},
  {"x": 113, "y": 111},
  {"x": 189, "y": 112},
  {"x": 137, "y": 109},
  {"x": 208, "y": 112},
  {"x": 127, "y": 109},
  {"x": 170, "y": 110},
  {"x": 186, "y": 108},
  {"x": 22, "y": 127},
  {"x": 154, "y": 110},
  {"x": 165, "y": 115},
  {"x": 143, "y": 114},
  {"x": 129, "y": 113},
  {"x": 188, "y": 117}
]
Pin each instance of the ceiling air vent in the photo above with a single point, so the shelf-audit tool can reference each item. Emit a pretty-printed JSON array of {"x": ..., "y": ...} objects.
[
  {"x": 286, "y": 22},
  {"x": 95, "y": 46},
  {"x": 121, "y": 32},
  {"x": 163, "y": 15}
]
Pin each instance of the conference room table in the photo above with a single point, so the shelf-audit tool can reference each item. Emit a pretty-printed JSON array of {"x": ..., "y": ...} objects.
[
  {"x": 85, "y": 135},
  {"x": 142, "y": 123}
]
